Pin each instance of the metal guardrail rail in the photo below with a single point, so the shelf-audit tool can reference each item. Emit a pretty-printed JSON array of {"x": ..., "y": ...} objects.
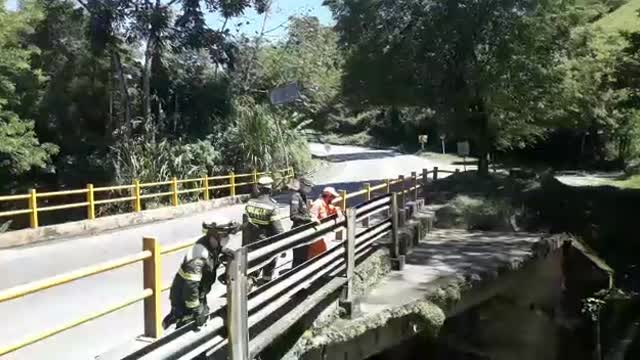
[
  {"x": 245, "y": 311},
  {"x": 92, "y": 197}
]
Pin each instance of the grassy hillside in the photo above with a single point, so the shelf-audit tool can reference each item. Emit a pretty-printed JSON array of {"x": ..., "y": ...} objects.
[{"x": 625, "y": 18}]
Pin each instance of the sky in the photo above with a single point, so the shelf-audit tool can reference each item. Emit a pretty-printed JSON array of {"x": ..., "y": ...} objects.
[
  {"x": 277, "y": 18},
  {"x": 276, "y": 21}
]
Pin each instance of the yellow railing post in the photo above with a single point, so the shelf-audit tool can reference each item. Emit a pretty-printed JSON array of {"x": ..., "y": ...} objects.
[
  {"x": 254, "y": 187},
  {"x": 137, "y": 201},
  {"x": 174, "y": 192},
  {"x": 33, "y": 206},
  {"x": 343, "y": 207},
  {"x": 367, "y": 197},
  {"x": 414, "y": 185},
  {"x": 152, "y": 269},
  {"x": 232, "y": 184},
  {"x": 206, "y": 187},
  {"x": 91, "y": 205},
  {"x": 401, "y": 192}
]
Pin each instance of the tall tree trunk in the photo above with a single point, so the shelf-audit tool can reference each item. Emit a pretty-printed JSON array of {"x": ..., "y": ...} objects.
[
  {"x": 175, "y": 112},
  {"x": 124, "y": 92},
  {"x": 146, "y": 83},
  {"x": 484, "y": 140},
  {"x": 109, "y": 125}
]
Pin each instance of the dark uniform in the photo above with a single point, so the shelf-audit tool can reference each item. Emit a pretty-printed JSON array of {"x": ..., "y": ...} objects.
[
  {"x": 262, "y": 213},
  {"x": 262, "y": 222},
  {"x": 192, "y": 283},
  {"x": 299, "y": 215}
]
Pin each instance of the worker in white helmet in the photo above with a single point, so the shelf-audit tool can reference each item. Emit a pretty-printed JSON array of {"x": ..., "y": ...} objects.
[
  {"x": 322, "y": 208},
  {"x": 263, "y": 219}
]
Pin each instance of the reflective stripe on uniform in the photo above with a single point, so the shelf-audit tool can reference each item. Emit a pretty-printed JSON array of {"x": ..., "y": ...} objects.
[
  {"x": 259, "y": 222},
  {"x": 189, "y": 276},
  {"x": 192, "y": 304}
]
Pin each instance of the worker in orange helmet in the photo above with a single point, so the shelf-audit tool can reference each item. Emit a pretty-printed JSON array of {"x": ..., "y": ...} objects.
[{"x": 322, "y": 208}]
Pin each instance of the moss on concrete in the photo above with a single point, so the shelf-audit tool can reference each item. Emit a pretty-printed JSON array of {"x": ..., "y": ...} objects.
[{"x": 425, "y": 317}]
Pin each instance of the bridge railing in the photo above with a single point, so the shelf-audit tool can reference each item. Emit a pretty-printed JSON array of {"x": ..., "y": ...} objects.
[
  {"x": 91, "y": 198},
  {"x": 382, "y": 203}
]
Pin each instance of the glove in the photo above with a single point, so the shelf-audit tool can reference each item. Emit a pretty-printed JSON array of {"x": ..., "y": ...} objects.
[{"x": 201, "y": 314}]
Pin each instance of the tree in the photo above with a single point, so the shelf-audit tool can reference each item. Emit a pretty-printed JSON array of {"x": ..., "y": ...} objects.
[
  {"x": 20, "y": 149},
  {"x": 488, "y": 68},
  {"x": 159, "y": 25},
  {"x": 591, "y": 103}
]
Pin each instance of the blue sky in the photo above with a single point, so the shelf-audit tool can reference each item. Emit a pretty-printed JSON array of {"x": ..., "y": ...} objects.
[{"x": 280, "y": 12}]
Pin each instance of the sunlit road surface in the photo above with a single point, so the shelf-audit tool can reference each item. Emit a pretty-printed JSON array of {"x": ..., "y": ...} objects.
[{"x": 346, "y": 168}]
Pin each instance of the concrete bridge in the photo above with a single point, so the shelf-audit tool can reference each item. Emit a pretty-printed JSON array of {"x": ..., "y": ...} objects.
[{"x": 446, "y": 274}]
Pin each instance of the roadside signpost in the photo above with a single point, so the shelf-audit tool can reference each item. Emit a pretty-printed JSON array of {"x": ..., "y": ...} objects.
[
  {"x": 422, "y": 139},
  {"x": 463, "y": 150},
  {"x": 442, "y": 138},
  {"x": 285, "y": 94}
]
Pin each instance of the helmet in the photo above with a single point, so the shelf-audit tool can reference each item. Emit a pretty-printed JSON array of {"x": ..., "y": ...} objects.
[
  {"x": 305, "y": 181},
  {"x": 265, "y": 182},
  {"x": 331, "y": 191},
  {"x": 221, "y": 225}
]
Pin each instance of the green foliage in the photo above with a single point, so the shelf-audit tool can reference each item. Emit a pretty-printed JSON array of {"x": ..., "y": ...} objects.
[
  {"x": 146, "y": 161},
  {"x": 487, "y": 68},
  {"x": 20, "y": 149},
  {"x": 260, "y": 138},
  {"x": 624, "y": 18},
  {"x": 476, "y": 214}
]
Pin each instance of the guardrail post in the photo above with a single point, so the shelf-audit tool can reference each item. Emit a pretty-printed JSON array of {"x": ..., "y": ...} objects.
[
  {"x": 237, "y": 309},
  {"x": 401, "y": 201},
  {"x": 343, "y": 207},
  {"x": 387, "y": 182},
  {"x": 206, "y": 187},
  {"x": 137, "y": 201},
  {"x": 174, "y": 192},
  {"x": 232, "y": 184},
  {"x": 367, "y": 197},
  {"x": 347, "y": 296},
  {"x": 425, "y": 183},
  {"x": 33, "y": 206},
  {"x": 435, "y": 173},
  {"x": 414, "y": 185},
  {"x": 397, "y": 260},
  {"x": 91, "y": 205},
  {"x": 152, "y": 270}
]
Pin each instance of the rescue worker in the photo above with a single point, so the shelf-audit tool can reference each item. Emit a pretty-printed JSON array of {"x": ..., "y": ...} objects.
[
  {"x": 197, "y": 274},
  {"x": 300, "y": 215},
  {"x": 320, "y": 209},
  {"x": 263, "y": 219}
]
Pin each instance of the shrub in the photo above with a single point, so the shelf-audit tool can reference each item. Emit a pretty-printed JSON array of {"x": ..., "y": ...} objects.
[
  {"x": 475, "y": 214},
  {"x": 259, "y": 139}
]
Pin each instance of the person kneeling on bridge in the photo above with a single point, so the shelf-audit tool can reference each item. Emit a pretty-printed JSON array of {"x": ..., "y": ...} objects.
[{"x": 197, "y": 274}]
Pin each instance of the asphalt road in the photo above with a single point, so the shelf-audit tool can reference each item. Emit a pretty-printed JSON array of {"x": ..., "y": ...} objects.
[{"x": 345, "y": 167}]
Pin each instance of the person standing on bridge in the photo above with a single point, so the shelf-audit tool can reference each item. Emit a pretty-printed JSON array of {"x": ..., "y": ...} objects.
[
  {"x": 263, "y": 220},
  {"x": 197, "y": 273},
  {"x": 300, "y": 215},
  {"x": 320, "y": 209}
]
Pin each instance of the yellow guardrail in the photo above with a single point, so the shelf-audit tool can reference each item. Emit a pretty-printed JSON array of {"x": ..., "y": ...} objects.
[
  {"x": 96, "y": 196},
  {"x": 151, "y": 258}
]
